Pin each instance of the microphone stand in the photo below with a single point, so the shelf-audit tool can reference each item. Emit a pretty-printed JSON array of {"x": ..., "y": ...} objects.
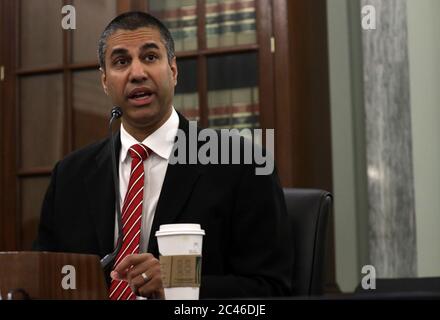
[{"x": 116, "y": 113}]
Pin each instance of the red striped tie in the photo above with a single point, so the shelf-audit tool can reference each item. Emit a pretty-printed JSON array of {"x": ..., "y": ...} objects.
[{"x": 131, "y": 218}]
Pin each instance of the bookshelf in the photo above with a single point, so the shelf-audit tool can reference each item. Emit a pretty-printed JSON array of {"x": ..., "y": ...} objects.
[{"x": 218, "y": 51}]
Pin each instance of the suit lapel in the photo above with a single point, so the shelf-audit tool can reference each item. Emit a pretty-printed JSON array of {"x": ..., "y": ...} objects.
[
  {"x": 176, "y": 190},
  {"x": 101, "y": 196}
]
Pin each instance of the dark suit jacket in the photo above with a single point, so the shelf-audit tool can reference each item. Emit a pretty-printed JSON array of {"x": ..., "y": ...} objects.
[{"x": 246, "y": 250}]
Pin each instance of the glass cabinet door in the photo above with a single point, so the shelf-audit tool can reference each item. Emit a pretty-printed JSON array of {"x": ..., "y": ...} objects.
[
  {"x": 230, "y": 23},
  {"x": 180, "y": 17},
  {"x": 233, "y": 91}
]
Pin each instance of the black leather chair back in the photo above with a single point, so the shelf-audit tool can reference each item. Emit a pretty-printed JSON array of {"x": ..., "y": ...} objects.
[{"x": 309, "y": 212}]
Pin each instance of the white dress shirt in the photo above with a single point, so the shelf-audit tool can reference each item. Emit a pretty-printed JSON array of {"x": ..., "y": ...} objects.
[{"x": 160, "y": 142}]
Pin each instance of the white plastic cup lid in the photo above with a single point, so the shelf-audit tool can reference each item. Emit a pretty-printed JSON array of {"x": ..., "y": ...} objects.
[{"x": 180, "y": 228}]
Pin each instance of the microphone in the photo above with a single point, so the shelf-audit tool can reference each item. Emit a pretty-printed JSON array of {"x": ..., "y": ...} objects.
[{"x": 116, "y": 113}]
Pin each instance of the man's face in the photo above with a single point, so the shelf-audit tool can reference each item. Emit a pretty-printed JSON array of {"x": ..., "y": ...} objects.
[{"x": 139, "y": 78}]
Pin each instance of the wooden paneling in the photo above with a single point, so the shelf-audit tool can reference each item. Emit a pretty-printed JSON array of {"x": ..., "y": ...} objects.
[
  {"x": 310, "y": 106},
  {"x": 49, "y": 266},
  {"x": 124, "y": 5},
  {"x": 310, "y": 112},
  {"x": 283, "y": 94},
  {"x": 266, "y": 75},
  {"x": 9, "y": 30},
  {"x": 1, "y": 125},
  {"x": 202, "y": 65}
]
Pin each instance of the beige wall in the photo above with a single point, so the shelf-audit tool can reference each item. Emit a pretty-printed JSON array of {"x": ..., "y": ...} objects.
[
  {"x": 344, "y": 113},
  {"x": 424, "y": 59}
]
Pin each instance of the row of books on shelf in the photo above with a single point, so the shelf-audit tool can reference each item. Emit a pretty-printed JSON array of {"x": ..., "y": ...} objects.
[
  {"x": 228, "y": 22},
  {"x": 235, "y": 108},
  {"x": 236, "y": 116},
  {"x": 180, "y": 17},
  {"x": 188, "y": 105},
  {"x": 227, "y": 120}
]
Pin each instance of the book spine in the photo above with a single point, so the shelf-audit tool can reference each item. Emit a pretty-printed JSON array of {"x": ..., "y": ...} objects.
[
  {"x": 219, "y": 94},
  {"x": 233, "y": 91},
  {"x": 188, "y": 24},
  {"x": 190, "y": 105},
  {"x": 186, "y": 95},
  {"x": 228, "y": 23},
  {"x": 171, "y": 17},
  {"x": 246, "y": 23},
  {"x": 212, "y": 23},
  {"x": 246, "y": 79}
]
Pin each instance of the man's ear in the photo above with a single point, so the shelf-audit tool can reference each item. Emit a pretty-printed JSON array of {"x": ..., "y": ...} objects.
[
  {"x": 104, "y": 81},
  {"x": 174, "y": 70}
]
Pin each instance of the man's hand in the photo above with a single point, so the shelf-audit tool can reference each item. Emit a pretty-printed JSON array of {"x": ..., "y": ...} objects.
[{"x": 131, "y": 268}]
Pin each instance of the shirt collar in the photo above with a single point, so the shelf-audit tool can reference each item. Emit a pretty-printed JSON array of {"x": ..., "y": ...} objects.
[{"x": 161, "y": 141}]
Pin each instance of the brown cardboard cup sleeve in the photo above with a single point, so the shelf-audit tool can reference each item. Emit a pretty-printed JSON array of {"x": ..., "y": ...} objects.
[{"x": 181, "y": 270}]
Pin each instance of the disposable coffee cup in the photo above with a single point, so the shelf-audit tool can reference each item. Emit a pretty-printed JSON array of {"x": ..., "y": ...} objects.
[{"x": 180, "y": 247}]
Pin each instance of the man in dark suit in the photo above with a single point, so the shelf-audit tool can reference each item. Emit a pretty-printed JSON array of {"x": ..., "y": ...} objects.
[{"x": 245, "y": 249}]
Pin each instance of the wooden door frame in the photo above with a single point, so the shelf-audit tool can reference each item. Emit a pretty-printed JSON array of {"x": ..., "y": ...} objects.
[
  {"x": 1, "y": 124},
  {"x": 283, "y": 96},
  {"x": 303, "y": 104},
  {"x": 8, "y": 227}
]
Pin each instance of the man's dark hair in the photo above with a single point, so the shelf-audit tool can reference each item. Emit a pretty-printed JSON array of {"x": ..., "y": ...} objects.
[{"x": 132, "y": 21}]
